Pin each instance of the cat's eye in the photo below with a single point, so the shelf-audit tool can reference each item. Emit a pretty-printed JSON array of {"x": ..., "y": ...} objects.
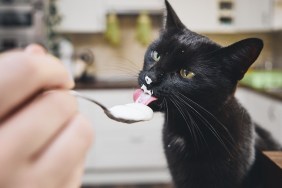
[
  {"x": 156, "y": 56},
  {"x": 186, "y": 73}
]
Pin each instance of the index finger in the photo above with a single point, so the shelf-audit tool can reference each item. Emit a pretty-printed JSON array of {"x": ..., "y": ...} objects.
[{"x": 22, "y": 75}]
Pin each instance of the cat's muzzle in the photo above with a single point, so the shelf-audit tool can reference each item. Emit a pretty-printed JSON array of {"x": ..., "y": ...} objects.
[{"x": 146, "y": 90}]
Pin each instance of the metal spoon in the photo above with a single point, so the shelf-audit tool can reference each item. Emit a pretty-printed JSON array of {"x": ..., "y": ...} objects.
[{"x": 106, "y": 110}]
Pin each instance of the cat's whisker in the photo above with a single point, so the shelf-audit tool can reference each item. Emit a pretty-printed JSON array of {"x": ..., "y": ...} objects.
[
  {"x": 198, "y": 113},
  {"x": 180, "y": 111},
  {"x": 130, "y": 63},
  {"x": 208, "y": 125},
  {"x": 210, "y": 114},
  {"x": 167, "y": 112},
  {"x": 127, "y": 67},
  {"x": 187, "y": 123},
  {"x": 121, "y": 70},
  {"x": 120, "y": 74},
  {"x": 194, "y": 124}
]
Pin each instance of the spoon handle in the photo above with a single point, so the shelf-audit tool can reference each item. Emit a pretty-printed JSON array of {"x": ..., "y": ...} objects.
[
  {"x": 106, "y": 110},
  {"x": 77, "y": 94}
]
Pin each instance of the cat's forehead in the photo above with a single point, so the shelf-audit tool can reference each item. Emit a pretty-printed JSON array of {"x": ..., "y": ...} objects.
[{"x": 180, "y": 41}]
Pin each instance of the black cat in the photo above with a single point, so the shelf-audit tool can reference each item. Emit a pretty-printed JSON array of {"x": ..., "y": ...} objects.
[{"x": 209, "y": 138}]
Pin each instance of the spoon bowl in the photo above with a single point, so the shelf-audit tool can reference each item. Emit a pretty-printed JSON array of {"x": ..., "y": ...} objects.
[{"x": 108, "y": 111}]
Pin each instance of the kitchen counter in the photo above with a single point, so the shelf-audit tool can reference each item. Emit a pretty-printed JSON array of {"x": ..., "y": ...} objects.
[
  {"x": 265, "y": 82},
  {"x": 107, "y": 85},
  {"x": 274, "y": 94}
]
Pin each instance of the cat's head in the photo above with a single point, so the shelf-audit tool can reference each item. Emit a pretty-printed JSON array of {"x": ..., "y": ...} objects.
[{"x": 183, "y": 64}]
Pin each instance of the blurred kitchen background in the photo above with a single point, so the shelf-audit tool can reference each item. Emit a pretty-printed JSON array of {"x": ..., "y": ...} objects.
[{"x": 102, "y": 43}]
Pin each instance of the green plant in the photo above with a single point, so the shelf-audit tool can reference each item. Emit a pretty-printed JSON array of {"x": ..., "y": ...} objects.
[
  {"x": 53, "y": 19},
  {"x": 144, "y": 29},
  {"x": 112, "y": 33}
]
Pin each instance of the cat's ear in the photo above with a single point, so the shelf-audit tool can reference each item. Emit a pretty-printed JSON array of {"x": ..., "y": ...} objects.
[
  {"x": 172, "y": 20},
  {"x": 241, "y": 55}
]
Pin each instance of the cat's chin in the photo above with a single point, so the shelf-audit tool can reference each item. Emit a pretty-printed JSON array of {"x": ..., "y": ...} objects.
[{"x": 157, "y": 106}]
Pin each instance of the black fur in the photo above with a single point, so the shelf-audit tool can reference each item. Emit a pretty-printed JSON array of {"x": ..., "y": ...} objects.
[{"x": 209, "y": 138}]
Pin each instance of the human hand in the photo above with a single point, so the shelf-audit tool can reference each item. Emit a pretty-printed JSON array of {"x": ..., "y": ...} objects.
[{"x": 43, "y": 139}]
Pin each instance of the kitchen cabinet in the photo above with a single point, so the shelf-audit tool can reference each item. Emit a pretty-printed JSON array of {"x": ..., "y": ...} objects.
[
  {"x": 135, "y": 6},
  {"x": 264, "y": 110},
  {"x": 199, "y": 16},
  {"x": 122, "y": 153},
  {"x": 83, "y": 16},
  {"x": 206, "y": 16},
  {"x": 277, "y": 15},
  {"x": 253, "y": 15},
  {"x": 225, "y": 16}
]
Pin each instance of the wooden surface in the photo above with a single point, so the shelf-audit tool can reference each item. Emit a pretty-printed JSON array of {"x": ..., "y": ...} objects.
[{"x": 275, "y": 156}]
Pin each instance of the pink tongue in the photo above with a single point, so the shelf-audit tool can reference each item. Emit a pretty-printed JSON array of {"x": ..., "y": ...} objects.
[{"x": 140, "y": 97}]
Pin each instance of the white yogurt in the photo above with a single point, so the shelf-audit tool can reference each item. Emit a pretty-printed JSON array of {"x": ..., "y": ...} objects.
[{"x": 132, "y": 111}]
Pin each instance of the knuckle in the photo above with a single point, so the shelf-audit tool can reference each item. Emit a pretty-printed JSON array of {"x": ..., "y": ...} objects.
[
  {"x": 62, "y": 75},
  {"x": 27, "y": 64},
  {"x": 21, "y": 62}
]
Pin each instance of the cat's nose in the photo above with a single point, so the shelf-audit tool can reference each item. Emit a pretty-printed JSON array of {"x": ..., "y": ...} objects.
[
  {"x": 153, "y": 78},
  {"x": 148, "y": 80}
]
